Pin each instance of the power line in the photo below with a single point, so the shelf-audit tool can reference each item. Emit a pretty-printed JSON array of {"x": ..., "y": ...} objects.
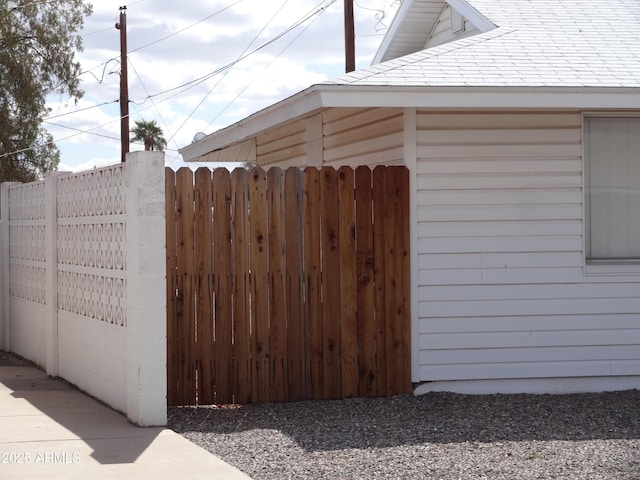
[
  {"x": 228, "y": 70},
  {"x": 80, "y": 110},
  {"x": 81, "y": 131}
]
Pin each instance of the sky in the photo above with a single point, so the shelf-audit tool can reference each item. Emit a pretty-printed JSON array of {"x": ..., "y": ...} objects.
[{"x": 201, "y": 65}]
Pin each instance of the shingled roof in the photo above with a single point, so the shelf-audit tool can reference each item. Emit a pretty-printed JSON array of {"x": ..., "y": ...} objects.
[
  {"x": 571, "y": 54},
  {"x": 582, "y": 43}
]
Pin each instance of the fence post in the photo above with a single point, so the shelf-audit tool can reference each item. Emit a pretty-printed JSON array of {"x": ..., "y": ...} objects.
[
  {"x": 5, "y": 312},
  {"x": 51, "y": 280},
  {"x": 146, "y": 377}
]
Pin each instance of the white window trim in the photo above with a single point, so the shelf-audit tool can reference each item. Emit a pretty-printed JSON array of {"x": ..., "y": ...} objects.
[{"x": 601, "y": 267}]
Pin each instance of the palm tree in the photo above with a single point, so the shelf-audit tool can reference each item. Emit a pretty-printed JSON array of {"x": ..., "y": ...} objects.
[{"x": 150, "y": 133}]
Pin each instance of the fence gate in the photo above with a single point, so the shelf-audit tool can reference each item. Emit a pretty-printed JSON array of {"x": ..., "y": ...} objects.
[{"x": 287, "y": 285}]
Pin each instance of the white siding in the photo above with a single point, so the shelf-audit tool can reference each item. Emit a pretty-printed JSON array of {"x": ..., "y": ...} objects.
[
  {"x": 336, "y": 137},
  {"x": 363, "y": 136},
  {"x": 284, "y": 146},
  {"x": 502, "y": 288},
  {"x": 442, "y": 32}
]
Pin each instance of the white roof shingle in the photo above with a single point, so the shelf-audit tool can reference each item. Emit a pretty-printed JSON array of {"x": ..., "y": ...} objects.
[{"x": 536, "y": 43}]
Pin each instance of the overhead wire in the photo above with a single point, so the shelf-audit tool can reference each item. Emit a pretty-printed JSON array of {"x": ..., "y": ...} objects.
[
  {"x": 264, "y": 69},
  {"x": 255, "y": 38},
  {"x": 187, "y": 85}
]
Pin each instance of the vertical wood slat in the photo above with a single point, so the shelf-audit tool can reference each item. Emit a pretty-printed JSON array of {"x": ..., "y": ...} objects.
[
  {"x": 241, "y": 318},
  {"x": 277, "y": 302},
  {"x": 312, "y": 276},
  {"x": 259, "y": 284},
  {"x": 366, "y": 286},
  {"x": 221, "y": 193},
  {"x": 203, "y": 285},
  {"x": 296, "y": 378},
  {"x": 172, "y": 320},
  {"x": 310, "y": 271},
  {"x": 185, "y": 273},
  {"x": 397, "y": 280},
  {"x": 330, "y": 237},
  {"x": 379, "y": 251},
  {"x": 348, "y": 287}
]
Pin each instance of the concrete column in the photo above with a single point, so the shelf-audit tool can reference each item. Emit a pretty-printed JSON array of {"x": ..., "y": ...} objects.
[
  {"x": 146, "y": 289},
  {"x": 51, "y": 281},
  {"x": 5, "y": 311}
]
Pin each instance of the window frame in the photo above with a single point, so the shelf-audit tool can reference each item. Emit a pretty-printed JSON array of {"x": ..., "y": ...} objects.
[{"x": 614, "y": 266}]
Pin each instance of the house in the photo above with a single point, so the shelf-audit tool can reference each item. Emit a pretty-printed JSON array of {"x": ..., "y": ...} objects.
[{"x": 519, "y": 121}]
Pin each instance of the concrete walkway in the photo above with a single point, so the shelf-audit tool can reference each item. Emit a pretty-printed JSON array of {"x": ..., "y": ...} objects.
[{"x": 51, "y": 430}]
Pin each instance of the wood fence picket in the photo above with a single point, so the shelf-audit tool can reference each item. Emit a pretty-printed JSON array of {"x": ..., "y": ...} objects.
[{"x": 287, "y": 285}]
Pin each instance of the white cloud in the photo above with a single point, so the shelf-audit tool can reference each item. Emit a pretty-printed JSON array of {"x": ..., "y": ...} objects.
[{"x": 308, "y": 55}]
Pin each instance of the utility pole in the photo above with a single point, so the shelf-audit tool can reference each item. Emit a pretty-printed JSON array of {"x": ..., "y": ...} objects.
[
  {"x": 349, "y": 37},
  {"x": 124, "y": 85}
]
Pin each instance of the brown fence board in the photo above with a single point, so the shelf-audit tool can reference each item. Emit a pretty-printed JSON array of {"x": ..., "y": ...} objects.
[
  {"x": 277, "y": 302},
  {"x": 185, "y": 274},
  {"x": 223, "y": 299},
  {"x": 259, "y": 253},
  {"x": 296, "y": 378},
  {"x": 172, "y": 320},
  {"x": 312, "y": 277},
  {"x": 203, "y": 286},
  {"x": 397, "y": 280},
  {"x": 287, "y": 285},
  {"x": 379, "y": 253},
  {"x": 348, "y": 281},
  {"x": 330, "y": 235},
  {"x": 241, "y": 298}
]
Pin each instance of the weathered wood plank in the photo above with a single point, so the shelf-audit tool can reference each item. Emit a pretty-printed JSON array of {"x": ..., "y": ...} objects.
[
  {"x": 296, "y": 378},
  {"x": 277, "y": 302},
  {"x": 172, "y": 320},
  {"x": 330, "y": 235},
  {"x": 259, "y": 251},
  {"x": 366, "y": 286},
  {"x": 379, "y": 279},
  {"x": 348, "y": 283},
  {"x": 223, "y": 309},
  {"x": 312, "y": 272},
  {"x": 241, "y": 318},
  {"x": 203, "y": 286},
  {"x": 397, "y": 280},
  {"x": 186, "y": 294}
]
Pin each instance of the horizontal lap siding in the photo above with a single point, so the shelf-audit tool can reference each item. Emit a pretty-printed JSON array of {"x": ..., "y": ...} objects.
[
  {"x": 285, "y": 146},
  {"x": 500, "y": 271},
  {"x": 363, "y": 136}
]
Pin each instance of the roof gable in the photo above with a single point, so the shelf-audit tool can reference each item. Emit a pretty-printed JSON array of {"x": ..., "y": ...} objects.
[{"x": 417, "y": 20}]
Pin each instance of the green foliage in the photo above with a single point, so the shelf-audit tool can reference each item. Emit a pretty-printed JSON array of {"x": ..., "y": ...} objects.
[
  {"x": 150, "y": 133},
  {"x": 38, "y": 42}
]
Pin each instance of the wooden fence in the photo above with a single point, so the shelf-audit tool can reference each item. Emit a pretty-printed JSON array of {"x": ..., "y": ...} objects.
[{"x": 287, "y": 285}]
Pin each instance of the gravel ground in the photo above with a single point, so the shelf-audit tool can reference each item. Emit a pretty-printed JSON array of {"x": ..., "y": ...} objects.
[{"x": 433, "y": 436}]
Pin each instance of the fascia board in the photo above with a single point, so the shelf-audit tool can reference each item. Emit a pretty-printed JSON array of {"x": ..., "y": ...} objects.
[
  {"x": 481, "y": 22},
  {"x": 483, "y": 97},
  {"x": 319, "y": 97},
  {"x": 299, "y": 105}
]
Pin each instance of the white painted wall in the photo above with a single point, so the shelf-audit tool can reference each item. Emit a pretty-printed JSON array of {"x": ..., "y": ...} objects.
[
  {"x": 502, "y": 288},
  {"x": 86, "y": 299}
]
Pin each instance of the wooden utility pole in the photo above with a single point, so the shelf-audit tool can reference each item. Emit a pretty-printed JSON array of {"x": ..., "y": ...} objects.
[
  {"x": 349, "y": 37},
  {"x": 124, "y": 85}
]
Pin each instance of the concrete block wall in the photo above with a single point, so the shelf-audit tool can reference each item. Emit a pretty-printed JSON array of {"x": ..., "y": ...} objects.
[{"x": 94, "y": 311}]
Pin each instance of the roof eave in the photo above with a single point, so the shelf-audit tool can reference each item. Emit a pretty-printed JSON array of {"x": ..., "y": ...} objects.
[{"x": 319, "y": 97}]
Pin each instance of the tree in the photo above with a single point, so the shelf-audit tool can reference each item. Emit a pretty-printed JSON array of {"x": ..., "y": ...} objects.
[
  {"x": 150, "y": 133},
  {"x": 38, "y": 43}
]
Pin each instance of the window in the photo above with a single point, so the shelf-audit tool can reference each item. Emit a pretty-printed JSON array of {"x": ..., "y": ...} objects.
[{"x": 612, "y": 181}]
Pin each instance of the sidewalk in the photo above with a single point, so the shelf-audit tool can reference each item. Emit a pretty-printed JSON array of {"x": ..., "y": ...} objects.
[{"x": 51, "y": 430}]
